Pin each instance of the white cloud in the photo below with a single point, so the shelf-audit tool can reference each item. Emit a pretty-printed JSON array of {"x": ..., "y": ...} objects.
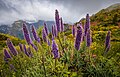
[
  {"x": 36, "y": 10},
  {"x": 71, "y": 11}
]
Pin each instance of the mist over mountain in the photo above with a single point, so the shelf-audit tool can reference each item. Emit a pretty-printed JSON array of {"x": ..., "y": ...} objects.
[{"x": 16, "y": 27}]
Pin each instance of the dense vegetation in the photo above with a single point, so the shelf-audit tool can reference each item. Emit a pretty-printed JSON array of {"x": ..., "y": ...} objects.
[
  {"x": 89, "y": 52},
  {"x": 3, "y": 38}
]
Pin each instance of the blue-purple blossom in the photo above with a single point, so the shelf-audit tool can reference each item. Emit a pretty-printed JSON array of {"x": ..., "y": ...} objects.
[
  {"x": 57, "y": 20},
  {"x": 35, "y": 35},
  {"x": 20, "y": 45},
  {"x": 29, "y": 51},
  {"x": 87, "y": 24},
  {"x": 88, "y": 38},
  {"x": 44, "y": 35},
  {"x": 26, "y": 34},
  {"x": 25, "y": 50},
  {"x": 107, "y": 41},
  {"x": 11, "y": 47},
  {"x": 61, "y": 25},
  {"x": 55, "y": 31},
  {"x": 78, "y": 38},
  {"x": 46, "y": 29},
  {"x": 34, "y": 46},
  {"x": 73, "y": 30},
  {"x": 6, "y": 54},
  {"x": 48, "y": 42},
  {"x": 55, "y": 49}
]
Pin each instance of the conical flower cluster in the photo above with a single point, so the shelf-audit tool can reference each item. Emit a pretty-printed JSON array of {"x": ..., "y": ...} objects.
[
  {"x": 78, "y": 38},
  {"x": 11, "y": 47},
  {"x": 107, "y": 42},
  {"x": 55, "y": 49},
  {"x": 35, "y": 35},
  {"x": 26, "y": 34},
  {"x": 57, "y": 20}
]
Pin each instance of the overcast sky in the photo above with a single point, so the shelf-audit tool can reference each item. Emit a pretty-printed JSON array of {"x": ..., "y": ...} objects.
[{"x": 70, "y": 10}]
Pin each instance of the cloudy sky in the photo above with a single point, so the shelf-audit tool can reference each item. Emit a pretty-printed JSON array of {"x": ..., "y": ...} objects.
[{"x": 33, "y": 10}]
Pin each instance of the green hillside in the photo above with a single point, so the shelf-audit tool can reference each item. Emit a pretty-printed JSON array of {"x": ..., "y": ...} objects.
[
  {"x": 3, "y": 38},
  {"x": 107, "y": 17}
]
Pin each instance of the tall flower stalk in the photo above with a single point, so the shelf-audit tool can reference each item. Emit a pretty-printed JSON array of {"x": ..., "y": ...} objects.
[
  {"x": 73, "y": 30},
  {"x": 55, "y": 49},
  {"x": 46, "y": 29},
  {"x": 35, "y": 35},
  {"x": 57, "y": 20},
  {"x": 26, "y": 34},
  {"x": 20, "y": 45},
  {"x": 87, "y": 24},
  {"x": 44, "y": 35},
  {"x": 78, "y": 38},
  {"x": 88, "y": 38},
  {"x": 107, "y": 42},
  {"x": 29, "y": 51},
  {"x": 61, "y": 25},
  {"x": 6, "y": 55},
  {"x": 11, "y": 47},
  {"x": 55, "y": 31},
  {"x": 25, "y": 50}
]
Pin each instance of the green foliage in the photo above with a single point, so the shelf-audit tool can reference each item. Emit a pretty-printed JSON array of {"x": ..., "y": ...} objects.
[
  {"x": 107, "y": 17},
  {"x": 3, "y": 38},
  {"x": 87, "y": 62}
]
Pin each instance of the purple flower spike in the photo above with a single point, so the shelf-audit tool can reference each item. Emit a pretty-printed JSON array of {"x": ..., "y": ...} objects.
[
  {"x": 88, "y": 38},
  {"x": 48, "y": 42},
  {"x": 55, "y": 50},
  {"x": 87, "y": 24},
  {"x": 6, "y": 54},
  {"x": 78, "y": 38},
  {"x": 107, "y": 42},
  {"x": 11, "y": 47},
  {"x": 46, "y": 30},
  {"x": 57, "y": 20},
  {"x": 53, "y": 31},
  {"x": 44, "y": 35},
  {"x": 29, "y": 51},
  {"x": 73, "y": 30},
  {"x": 35, "y": 35},
  {"x": 34, "y": 46},
  {"x": 26, "y": 34},
  {"x": 20, "y": 45},
  {"x": 25, "y": 51},
  {"x": 61, "y": 25}
]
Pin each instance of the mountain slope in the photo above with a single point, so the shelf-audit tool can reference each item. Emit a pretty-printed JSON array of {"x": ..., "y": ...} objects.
[
  {"x": 3, "y": 38},
  {"x": 108, "y": 16}
]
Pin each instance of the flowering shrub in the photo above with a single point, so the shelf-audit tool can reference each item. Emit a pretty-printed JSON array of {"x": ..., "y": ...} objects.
[{"x": 61, "y": 55}]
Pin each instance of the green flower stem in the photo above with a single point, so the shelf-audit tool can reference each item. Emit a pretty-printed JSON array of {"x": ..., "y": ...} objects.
[
  {"x": 60, "y": 43},
  {"x": 44, "y": 65},
  {"x": 90, "y": 57},
  {"x": 43, "y": 59},
  {"x": 77, "y": 64},
  {"x": 55, "y": 63}
]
